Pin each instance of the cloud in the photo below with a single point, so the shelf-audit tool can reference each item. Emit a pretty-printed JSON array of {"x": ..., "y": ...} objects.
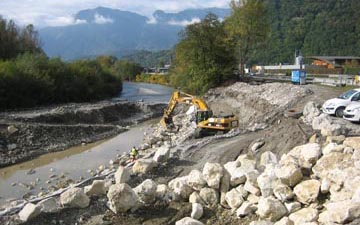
[
  {"x": 63, "y": 21},
  {"x": 184, "y": 23},
  {"x": 53, "y": 13},
  {"x": 100, "y": 19},
  {"x": 151, "y": 20}
]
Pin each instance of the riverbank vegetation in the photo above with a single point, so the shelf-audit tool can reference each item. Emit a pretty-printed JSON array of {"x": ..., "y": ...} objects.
[
  {"x": 29, "y": 78},
  {"x": 154, "y": 79}
]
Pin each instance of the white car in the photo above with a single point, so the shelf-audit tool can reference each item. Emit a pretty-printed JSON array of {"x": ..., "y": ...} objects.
[
  {"x": 352, "y": 112},
  {"x": 336, "y": 106}
]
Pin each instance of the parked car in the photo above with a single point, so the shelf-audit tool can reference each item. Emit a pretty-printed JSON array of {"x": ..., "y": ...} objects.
[
  {"x": 352, "y": 112},
  {"x": 336, "y": 106}
]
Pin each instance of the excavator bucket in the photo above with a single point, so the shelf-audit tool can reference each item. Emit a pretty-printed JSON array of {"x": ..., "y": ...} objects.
[{"x": 163, "y": 123}]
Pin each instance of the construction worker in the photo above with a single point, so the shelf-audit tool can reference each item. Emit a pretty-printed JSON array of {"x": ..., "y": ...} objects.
[{"x": 133, "y": 154}]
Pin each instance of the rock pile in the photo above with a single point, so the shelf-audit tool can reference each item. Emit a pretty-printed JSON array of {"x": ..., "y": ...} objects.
[
  {"x": 327, "y": 125},
  {"x": 256, "y": 105},
  {"x": 312, "y": 184}
]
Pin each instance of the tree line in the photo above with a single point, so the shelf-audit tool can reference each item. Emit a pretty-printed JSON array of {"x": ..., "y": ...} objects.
[
  {"x": 29, "y": 78},
  {"x": 264, "y": 32},
  {"x": 209, "y": 52}
]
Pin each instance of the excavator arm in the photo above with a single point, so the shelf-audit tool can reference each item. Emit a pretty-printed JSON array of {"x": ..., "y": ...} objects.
[{"x": 181, "y": 97}]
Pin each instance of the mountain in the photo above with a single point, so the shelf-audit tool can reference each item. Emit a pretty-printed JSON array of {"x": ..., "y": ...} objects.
[
  {"x": 112, "y": 31},
  {"x": 330, "y": 27},
  {"x": 188, "y": 15}
]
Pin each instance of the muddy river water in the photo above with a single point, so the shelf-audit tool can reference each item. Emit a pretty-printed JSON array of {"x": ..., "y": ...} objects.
[{"x": 31, "y": 177}]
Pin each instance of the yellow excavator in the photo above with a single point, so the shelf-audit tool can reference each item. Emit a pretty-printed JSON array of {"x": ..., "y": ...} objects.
[{"x": 206, "y": 122}]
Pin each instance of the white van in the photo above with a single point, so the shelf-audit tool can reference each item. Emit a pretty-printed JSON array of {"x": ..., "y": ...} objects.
[{"x": 336, "y": 106}]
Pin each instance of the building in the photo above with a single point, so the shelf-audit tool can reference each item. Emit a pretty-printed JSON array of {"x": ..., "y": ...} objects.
[
  {"x": 157, "y": 70},
  {"x": 334, "y": 62},
  {"x": 314, "y": 65}
]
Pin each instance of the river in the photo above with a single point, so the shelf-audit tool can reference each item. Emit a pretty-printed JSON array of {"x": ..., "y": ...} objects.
[{"x": 78, "y": 161}]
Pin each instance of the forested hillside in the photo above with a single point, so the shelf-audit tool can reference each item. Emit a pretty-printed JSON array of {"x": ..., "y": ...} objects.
[
  {"x": 263, "y": 32},
  {"x": 330, "y": 27},
  {"x": 151, "y": 59}
]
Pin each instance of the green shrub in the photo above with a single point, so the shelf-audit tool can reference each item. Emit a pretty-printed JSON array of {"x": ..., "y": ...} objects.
[{"x": 33, "y": 80}]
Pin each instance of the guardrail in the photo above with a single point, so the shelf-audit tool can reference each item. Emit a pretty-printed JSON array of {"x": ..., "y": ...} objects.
[{"x": 331, "y": 80}]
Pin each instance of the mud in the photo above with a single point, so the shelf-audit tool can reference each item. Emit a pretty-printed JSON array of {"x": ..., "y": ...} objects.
[{"x": 28, "y": 134}]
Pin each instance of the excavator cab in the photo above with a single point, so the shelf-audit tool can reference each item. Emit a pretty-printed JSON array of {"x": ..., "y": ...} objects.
[{"x": 202, "y": 115}]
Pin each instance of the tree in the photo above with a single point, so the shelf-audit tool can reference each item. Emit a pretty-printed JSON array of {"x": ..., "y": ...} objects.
[
  {"x": 15, "y": 41},
  {"x": 247, "y": 28},
  {"x": 202, "y": 58},
  {"x": 126, "y": 70}
]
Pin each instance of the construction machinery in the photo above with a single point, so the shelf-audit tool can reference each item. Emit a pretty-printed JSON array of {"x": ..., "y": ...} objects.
[{"x": 206, "y": 122}]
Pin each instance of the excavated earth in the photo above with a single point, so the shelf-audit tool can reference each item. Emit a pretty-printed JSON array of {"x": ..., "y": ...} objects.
[
  {"x": 27, "y": 134},
  {"x": 265, "y": 117}
]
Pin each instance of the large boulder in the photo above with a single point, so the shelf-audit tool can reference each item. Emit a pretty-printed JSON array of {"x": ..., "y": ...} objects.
[
  {"x": 239, "y": 168},
  {"x": 261, "y": 222},
  {"x": 74, "y": 198},
  {"x": 162, "y": 154},
  {"x": 162, "y": 191},
  {"x": 353, "y": 142},
  {"x": 289, "y": 174},
  {"x": 332, "y": 147},
  {"x": 122, "y": 198},
  {"x": 305, "y": 215},
  {"x": 256, "y": 145},
  {"x": 49, "y": 205},
  {"x": 97, "y": 188},
  {"x": 325, "y": 124},
  {"x": 292, "y": 206},
  {"x": 197, "y": 211},
  {"x": 195, "y": 180},
  {"x": 237, "y": 174},
  {"x": 195, "y": 198},
  {"x": 234, "y": 198},
  {"x": 180, "y": 189},
  {"x": 245, "y": 209},
  {"x": 310, "y": 111},
  {"x": 188, "y": 221},
  {"x": 251, "y": 184},
  {"x": 334, "y": 167},
  {"x": 146, "y": 191},
  {"x": 271, "y": 208},
  {"x": 29, "y": 212},
  {"x": 266, "y": 182},
  {"x": 340, "y": 212},
  {"x": 212, "y": 173},
  {"x": 284, "y": 221},
  {"x": 307, "y": 191},
  {"x": 210, "y": 196},
  {"x": 224, "y": 188},
  {"x": 306, "y": 155},
  {"x": 283, "y": 192},
  {"x": 356, "y": 195},
  {"x": 335, "y": 139},
  {"x": 122, "y": 175},
  {"x": 143, "y": 166}
]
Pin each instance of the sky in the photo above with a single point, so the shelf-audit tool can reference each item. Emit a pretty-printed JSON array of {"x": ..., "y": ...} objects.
[{"x": 43, "y": 13}]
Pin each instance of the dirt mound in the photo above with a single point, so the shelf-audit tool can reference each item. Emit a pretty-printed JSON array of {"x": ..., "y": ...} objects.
[
  {"x": 26, "y": 134},
  {"x": 85, "y": 113},
  {"x": 254, "y": 103}
]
